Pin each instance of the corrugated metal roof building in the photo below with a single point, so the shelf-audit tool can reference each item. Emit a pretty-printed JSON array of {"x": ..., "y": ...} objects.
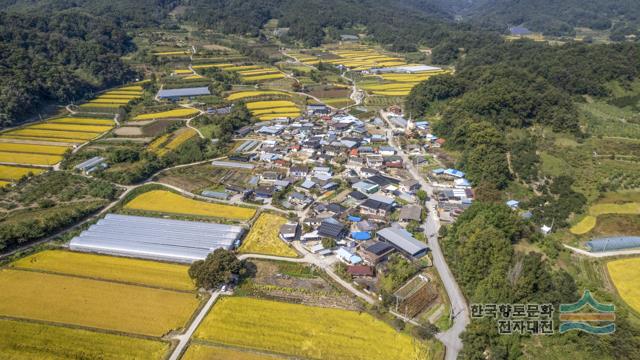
[
  {"x": 402, "y": 240},
  {"x": 185, "y": 92},
  {"x": 155, "y": 238}
]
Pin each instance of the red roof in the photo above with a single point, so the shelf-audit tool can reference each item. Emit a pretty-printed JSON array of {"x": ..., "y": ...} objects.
[
  {"x": 441, "y": 141},
  {"x": 360, "y": 270},
  {"x": 354, "y": 152}
]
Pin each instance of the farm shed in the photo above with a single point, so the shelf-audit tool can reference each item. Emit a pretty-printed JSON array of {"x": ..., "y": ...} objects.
[
  {"x": 155, "y": 238},
  {"x": 176, "y": 94},
  {"x": 613, "y": 243},
  {"x": 414, "y": 296},
  {"x": 402, "y": 240},
  {"x": 91, "y": 165},
  {"x": 232, "y": 164}
]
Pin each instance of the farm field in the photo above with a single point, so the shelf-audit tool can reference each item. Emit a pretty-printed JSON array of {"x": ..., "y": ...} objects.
[
  {"x": 71, "y": 135},
  {"x": 4, "y": 183},
  {"x": 176, "y": 113},
  {"x": 305, "y": 331},
  {"x": 93, "y": 303},
  {"x": 263, "y": 237},
  {"x": 72, "y": 127},
  {"x": 209, "y": 352},
  {"x": 29, "y": 159},
  {"x": 33, "y": 149},
  {"x": 170, "y": 142},
  {"x": 16, "y": 172},
  {"x": 82, "y": 121},
  {"x": 254, "y": 93},
  {"x": 590, "y": 221},
  {"x": 170, "y": 203},
  {"x": 625, "y": 274},
  {"x": 139, "y": 272},
  {"x": 24, "y": 341},
  {"x": 268, "y": 110}
]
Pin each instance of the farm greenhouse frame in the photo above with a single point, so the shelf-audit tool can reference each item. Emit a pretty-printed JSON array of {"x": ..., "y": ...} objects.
[{"x": 156, "y": 239}]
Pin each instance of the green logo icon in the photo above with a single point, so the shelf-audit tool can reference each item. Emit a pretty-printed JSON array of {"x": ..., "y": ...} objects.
[{"x": 598, "y": 321}]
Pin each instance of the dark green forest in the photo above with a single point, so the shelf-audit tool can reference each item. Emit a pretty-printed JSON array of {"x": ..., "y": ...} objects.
[
  {"x": 490, "y": 271},
  {"x": 517, "y": 85},
  {"x": 60, "y": 58}
]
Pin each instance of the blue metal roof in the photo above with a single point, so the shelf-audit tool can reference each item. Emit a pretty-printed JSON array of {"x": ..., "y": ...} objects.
[
  {"x": 197, "y": 91},
  {"x": 360, "y": 235},
  {"x": 354, "y": 218}
]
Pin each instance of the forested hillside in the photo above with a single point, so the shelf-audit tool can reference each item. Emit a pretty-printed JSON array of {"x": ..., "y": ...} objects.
[
  {"x": 554, "y": 17},
  {"x": 517, "y": 85},
  {"x": 56, "y": 58},
  {"x": 397, "y": 24}
]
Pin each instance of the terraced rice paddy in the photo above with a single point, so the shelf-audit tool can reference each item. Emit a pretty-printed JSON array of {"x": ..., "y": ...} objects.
[
  {"x": 26, "y": 341},
  {"x": 589, "y": 222},
  {"x": 82, "y": 121},
  {"x": 625, "y": 274},
  {"x": 255, "y": 93},
  {"x": 361, "y": 59},
  {"x": 4, "y": 183},
  {"x": 170, "y": 142},
  {"x": 14, "y": 173},
  {"x": 257, "y": 105},
  {"x": 305, "y": 331},
  {"x": 264, "y": 237},
  {"x": 170, "y": 114},
  {"x": 161, "y": 201},
  {"x": 182, "y": 71},
  {"x": 209, "y": 352},
  {"x": 93, "y": 303},
  {"x": 32, "y": 149},
  {"x": 268, "y": 110},
  {"x": 133, "y": 271},
  {"x": 72, "y": 127},
  {"x": 40, "y": 133},
  {"x": 29, "y": 159}
]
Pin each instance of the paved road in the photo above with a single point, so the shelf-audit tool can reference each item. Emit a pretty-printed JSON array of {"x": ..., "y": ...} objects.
[
  {"x": 603, "y": 253},
  {"x": 459, "y": 308},
  {"x": 184, "y": 338}
]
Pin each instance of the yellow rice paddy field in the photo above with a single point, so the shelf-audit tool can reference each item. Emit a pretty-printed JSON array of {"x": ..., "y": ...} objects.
[
  {"x": 264, "y": 237},
  {"x": 172, "y": 53},
  {"x": 72, "y": 127},
  {"x": 210, "y": 352},
  {"x": 170, "y": 203},
  {"x": 257, "y": 105},
  {"x": 4, "y": 183},
  {"x": 305, "y": 331},
  {"x": 127, "y": 270},
  {"x": 278, "y": 116},
  {"x": 278, "y": 110},
  {"x": 21, "y": 340},
  {"x": 169, "y": 142},
  {"x": 254, "y": 93},
  {"x": 176, "y": 113},
  {"x": 589, "y": 222},
  {"x": 263, "y": 77},
  {"x": 625, "y": 274},
  {"x": 93, "y": 303},
  {"x": 33, "y": 149},
  {"x": 29, "y": 159},
  {"x": 82, "y": 121},
  {"x": 73, "y": 135},
  {"x": 90, "y": 105},
  {"x": 16, "y": 172}
]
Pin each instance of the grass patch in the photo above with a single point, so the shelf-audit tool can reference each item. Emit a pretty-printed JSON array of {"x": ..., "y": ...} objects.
[
  {"x": 305, "y": 331},
  {"x": 150, "y": 273},
  {"x": 23, "y": 341},
  {"x": 92, "y": 303},
  {"x": 263, "y": 237}
]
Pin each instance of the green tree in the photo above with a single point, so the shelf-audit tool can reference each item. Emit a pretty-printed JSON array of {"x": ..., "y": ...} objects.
[{"x": 220, "y": 267}]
